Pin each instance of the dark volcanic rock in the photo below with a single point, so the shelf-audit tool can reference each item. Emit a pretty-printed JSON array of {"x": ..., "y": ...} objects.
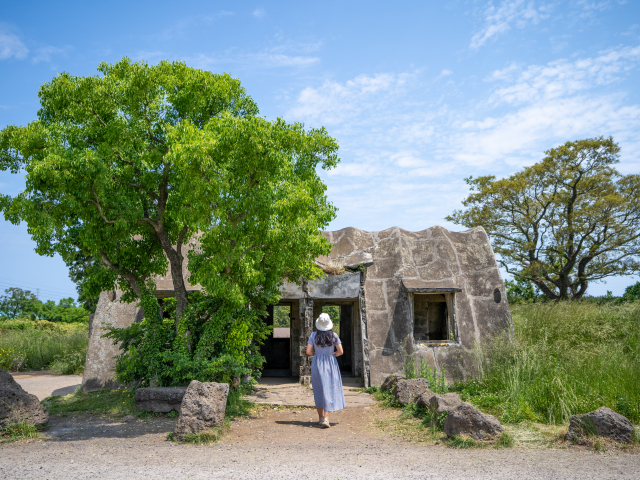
[
  {"x": 202, "y": 407},
  {"x": 603, "y": 422},
  {"x": 159, "y": 399},
  {"x": 407, "y": 391},
  {"x": 424, "y": 399},
  {"x": 466, "y": 420},
  {"x": 390, "y": 383},
  {"x": 18, "y": 405},
  {"x": 440, "y": 404}
]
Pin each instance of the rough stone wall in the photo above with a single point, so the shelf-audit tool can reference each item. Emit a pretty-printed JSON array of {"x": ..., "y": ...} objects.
[
  {"x": 435, "y": 258},
  {"x": 99, "y": 368}
]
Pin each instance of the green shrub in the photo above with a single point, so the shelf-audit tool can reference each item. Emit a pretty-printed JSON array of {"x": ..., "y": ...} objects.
[
  {"x": 212, "y": 343},
  {"x": 437, "y": 382}
]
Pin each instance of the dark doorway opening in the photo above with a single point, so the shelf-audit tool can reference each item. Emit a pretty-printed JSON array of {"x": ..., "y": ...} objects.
[
  {"x": 277, "y": 347},
  {"x": 341, "y": 316}
]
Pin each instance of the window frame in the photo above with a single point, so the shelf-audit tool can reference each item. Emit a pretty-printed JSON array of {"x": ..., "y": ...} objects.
[{"x": 452, "y": 320}]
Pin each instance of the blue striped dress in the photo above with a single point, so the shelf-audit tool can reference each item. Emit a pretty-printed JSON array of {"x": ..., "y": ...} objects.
[{"x": 325, "y": 377}]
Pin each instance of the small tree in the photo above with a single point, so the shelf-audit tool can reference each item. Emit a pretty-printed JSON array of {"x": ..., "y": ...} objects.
[
  {"x": 15, "y": 301},
  {"x": 564, "y": 222}
]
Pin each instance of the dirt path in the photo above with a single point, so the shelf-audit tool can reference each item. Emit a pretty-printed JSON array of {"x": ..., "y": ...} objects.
[
  {"x": 45, "y": 384},
  {"x": 284, "y": 443}
]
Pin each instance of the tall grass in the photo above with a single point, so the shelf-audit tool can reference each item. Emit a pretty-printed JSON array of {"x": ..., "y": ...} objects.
[
  {"x": 569, "y": 358},
  {"x": 29, "y": 345}
]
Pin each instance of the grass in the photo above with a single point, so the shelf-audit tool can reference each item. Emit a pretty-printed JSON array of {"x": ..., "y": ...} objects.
[
  {"x": 40, "y": 345},
  {"x": 569, "y": 358},
  {"x": 18, "y": 431},
  {"x": 117, "y": 403}
]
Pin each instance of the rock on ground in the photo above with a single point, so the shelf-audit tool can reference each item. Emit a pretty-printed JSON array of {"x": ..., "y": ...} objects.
[
  {"x": 390, "y": 383},
  {"x": 159, "y": 399},
  {"x": 18, "y": 405},
  {"x": 406, "y": 391},
  {"x": 440, "y": 404},
  {"x": 603, "y": 422},
  {"x": 466, "y": 420},
  {"x": 424, "y": 399},
  {"x": 203, "y": 407}
]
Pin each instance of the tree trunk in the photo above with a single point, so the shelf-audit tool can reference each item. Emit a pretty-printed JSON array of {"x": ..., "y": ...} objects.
[{"x": 175, "y": 257}]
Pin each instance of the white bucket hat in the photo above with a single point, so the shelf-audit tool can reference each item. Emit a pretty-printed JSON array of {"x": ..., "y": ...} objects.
[{"x": 324, "y": 323}]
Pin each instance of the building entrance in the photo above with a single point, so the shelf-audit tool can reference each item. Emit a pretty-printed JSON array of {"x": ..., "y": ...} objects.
[{"x": 277, "y": 347}]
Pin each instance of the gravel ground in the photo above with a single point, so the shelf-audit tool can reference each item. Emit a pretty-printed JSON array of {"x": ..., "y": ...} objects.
[{"x": 284, "y": 444}]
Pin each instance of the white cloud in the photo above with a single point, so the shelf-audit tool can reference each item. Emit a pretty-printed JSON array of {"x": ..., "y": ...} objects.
[
  {"x": 12, "y": 46},
  {"x": 258, "y": 13},
  {"x": 334, "y": 102},
  {"x": 255, "y": 60},
  {"x": 45, "y": 54},
  {"x": 518, "y": 13},
  {"x": 562, "y": 77},
  {"x": 406, "y": 150}
]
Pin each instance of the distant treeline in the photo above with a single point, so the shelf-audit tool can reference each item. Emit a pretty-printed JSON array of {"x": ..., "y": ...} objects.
[
  {"x": 23, "y": 304},
  {"x": 522, "y": 291}
]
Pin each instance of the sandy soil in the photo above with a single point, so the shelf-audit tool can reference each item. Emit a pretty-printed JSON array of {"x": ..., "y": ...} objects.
[{"x": 284, "y": 443}]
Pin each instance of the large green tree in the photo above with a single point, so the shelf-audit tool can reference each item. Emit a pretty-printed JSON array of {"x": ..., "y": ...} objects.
[
  {"x": 127, "y": 166},
  {"x": 564, "y": 222}
]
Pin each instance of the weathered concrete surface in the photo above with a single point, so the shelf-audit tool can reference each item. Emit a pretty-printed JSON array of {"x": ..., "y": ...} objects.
[
  {"x": 17, "y": 405},
  {"x": 159, "y": 399},
  {"x": 432, "y": 258},
  {"x": 43, "y": 386},
  {"x": 99, "y": 368},
  {"x": 203, "y": 407},
  {"x": 345, "y": 286},
  {"x": 466, "y": 420},
  {"x": 602, "y": 422}
]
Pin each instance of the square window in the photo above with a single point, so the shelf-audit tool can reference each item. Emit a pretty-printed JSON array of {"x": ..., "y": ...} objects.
[{"x": 433, "y": 318}]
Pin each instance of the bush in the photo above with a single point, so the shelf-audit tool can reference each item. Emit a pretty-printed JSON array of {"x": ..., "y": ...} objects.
[{"x": 212, "y": 343}]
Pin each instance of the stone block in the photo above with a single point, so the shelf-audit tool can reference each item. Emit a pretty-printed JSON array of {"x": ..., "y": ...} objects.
[
  {"x": 202, "y": 408},
  {"x": 160, "y": 399}
]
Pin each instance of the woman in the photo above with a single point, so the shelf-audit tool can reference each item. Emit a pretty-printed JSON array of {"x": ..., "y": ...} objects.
[{"x": 325, "y": 373}]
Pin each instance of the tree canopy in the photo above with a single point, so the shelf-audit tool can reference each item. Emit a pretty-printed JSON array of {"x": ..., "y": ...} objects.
[
  {"x": 564, "y": 222},
  {"x": 128, "y": 165},
  {"x": 125, "y": 168}
]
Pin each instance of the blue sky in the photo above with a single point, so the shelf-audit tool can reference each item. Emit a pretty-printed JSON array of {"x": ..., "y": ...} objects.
[{"x": 419, "y": 94}]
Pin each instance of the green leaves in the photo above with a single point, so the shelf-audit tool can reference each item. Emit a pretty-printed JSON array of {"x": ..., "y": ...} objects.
[{"x": 563, "y": 222}]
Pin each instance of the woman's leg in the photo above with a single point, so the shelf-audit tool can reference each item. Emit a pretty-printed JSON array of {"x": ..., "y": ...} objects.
[
  {"x": 326, "y": 415},
  {"x": 321, "y": 413}
]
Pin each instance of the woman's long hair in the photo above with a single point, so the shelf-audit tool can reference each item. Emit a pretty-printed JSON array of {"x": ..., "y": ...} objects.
[{"x": 325, "y": 339}]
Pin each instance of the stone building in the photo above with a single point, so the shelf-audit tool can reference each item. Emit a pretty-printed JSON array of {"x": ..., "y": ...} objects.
[{"x": 393, "y": 295}]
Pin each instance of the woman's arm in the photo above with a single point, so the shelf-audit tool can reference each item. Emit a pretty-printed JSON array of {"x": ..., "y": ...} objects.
[
  {"x": 339, "y": 351},
  {"x": 309, "y": 350}
]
